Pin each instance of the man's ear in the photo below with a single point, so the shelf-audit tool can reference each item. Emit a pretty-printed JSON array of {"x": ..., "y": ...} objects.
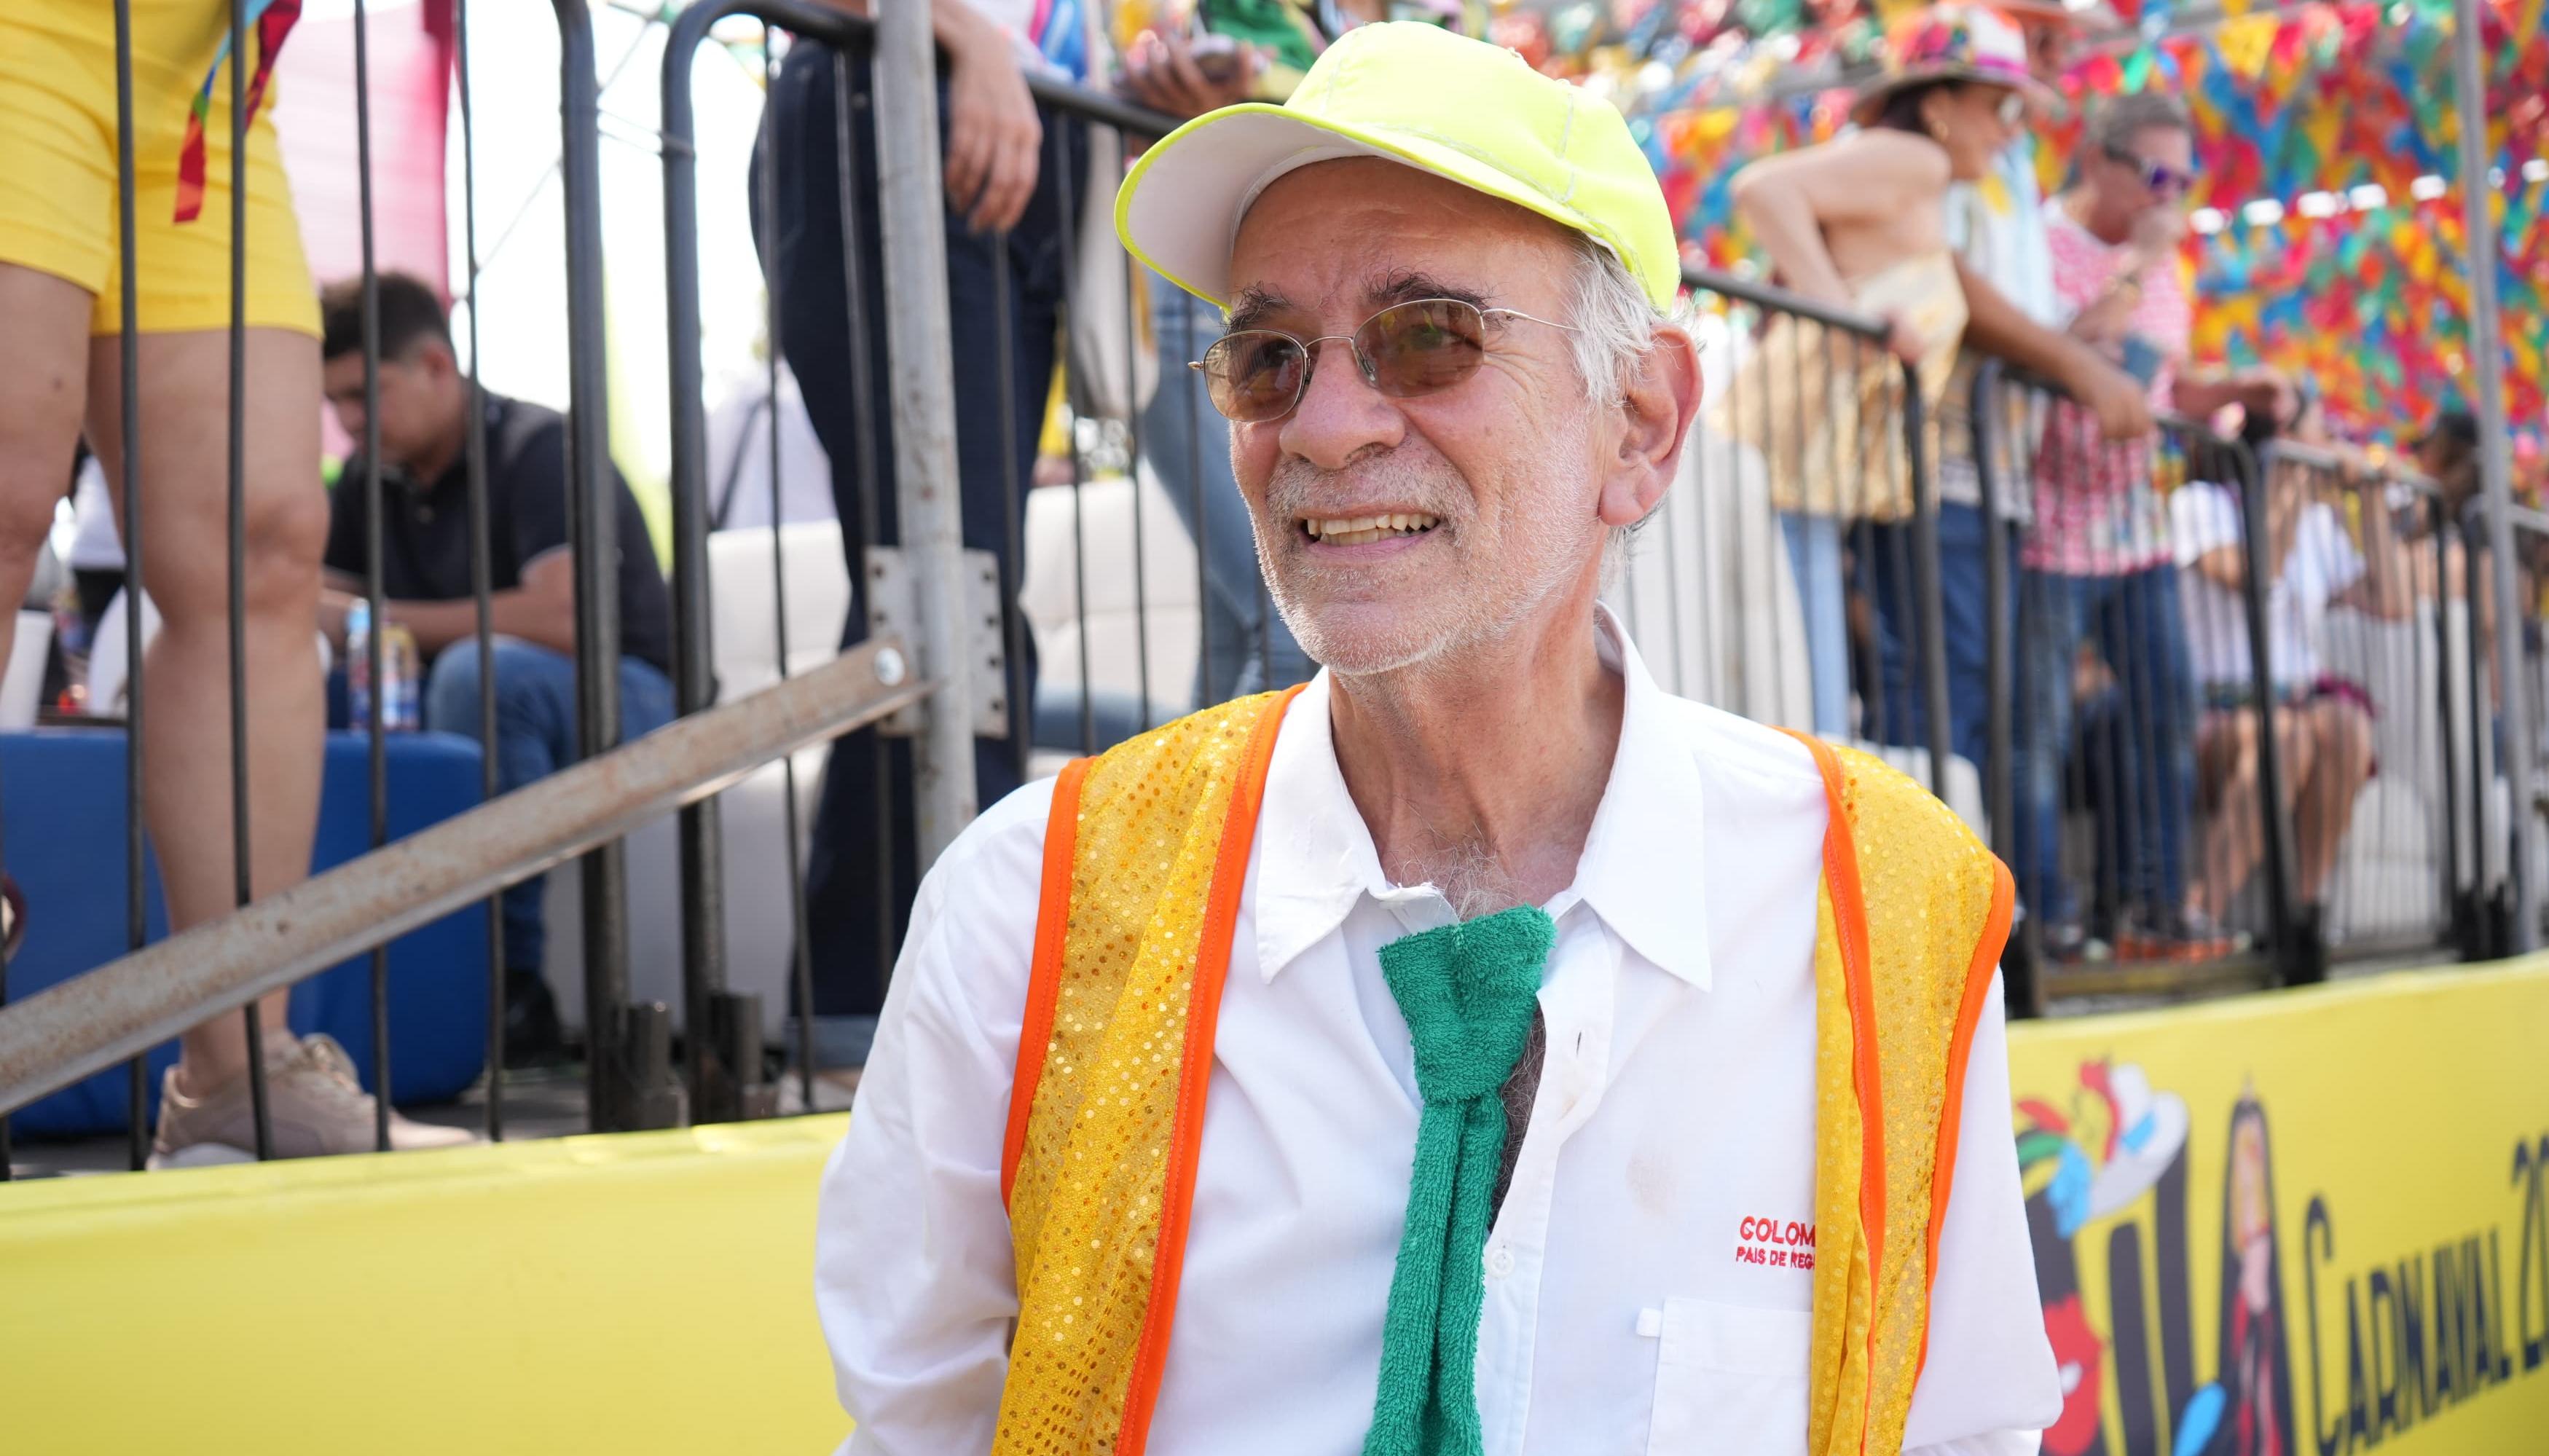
[
  {"x": 1654, "y": 419},
  {"x": 437, "y": 359}
]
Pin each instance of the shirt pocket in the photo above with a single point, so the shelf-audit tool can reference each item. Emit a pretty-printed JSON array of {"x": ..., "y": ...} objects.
[{"x": 1729, "y": 1378}]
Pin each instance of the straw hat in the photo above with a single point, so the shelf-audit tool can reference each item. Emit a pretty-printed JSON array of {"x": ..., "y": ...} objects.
[{"x": 1951, "y": 43}]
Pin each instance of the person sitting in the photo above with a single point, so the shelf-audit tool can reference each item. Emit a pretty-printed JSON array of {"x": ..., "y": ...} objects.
[
  {"x": 2323, "y": 722},
  {"x": 426, "y": 575},
  {"x": 1859, "y": 223}
]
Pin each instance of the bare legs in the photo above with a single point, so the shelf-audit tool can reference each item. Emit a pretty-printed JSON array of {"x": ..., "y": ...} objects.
[
  {"x": 57, "y": 378},
  {"x": 2326, "y": 747}
]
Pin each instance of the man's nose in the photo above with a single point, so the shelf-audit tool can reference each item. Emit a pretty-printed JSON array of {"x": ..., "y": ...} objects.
[{"x": 1341, "y": 413}]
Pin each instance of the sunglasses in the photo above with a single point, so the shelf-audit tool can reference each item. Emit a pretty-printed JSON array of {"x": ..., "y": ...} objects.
[
  {"x": 2160, "y": 178},
  {"x": 1405, "y": 351}
]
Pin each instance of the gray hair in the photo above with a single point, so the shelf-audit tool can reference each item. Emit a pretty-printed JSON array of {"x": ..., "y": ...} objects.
[
  {"x": 2116, "y": 121},
  {"x": 1614, "y": 324},
  {"x": 1612, "y": 320}
]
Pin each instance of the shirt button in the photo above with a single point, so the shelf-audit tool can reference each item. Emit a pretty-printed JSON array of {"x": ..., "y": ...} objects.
[{"x": 1500, "y": 1262}]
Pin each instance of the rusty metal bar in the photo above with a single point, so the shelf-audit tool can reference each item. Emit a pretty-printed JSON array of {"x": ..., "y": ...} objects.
[
  {"x": 91, "y": 1022},
  {"x": 912, "y": 209}
]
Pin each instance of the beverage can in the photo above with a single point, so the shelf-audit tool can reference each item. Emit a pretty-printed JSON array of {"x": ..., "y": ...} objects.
[
  {"x": 403, "y": 674},
  {"x": 402, "y": 687}
]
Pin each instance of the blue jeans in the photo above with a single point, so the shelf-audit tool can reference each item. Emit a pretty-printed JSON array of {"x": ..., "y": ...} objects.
[
  {"x": 1903, "y": 716},
  {"x": 2139, "y": 766},
  {"x": 1814, "y": 556},
  {"x": 1246, "y": 646},
  {"x": 862, "y": 867},
  {"x": 535, "y": 738}
]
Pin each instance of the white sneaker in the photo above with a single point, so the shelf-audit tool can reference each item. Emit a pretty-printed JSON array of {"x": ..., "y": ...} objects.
[{"x": 314, "y": 1108}]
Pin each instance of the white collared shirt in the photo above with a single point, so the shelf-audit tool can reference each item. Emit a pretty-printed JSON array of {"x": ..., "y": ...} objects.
[{"x": 1643, "y": 1286}]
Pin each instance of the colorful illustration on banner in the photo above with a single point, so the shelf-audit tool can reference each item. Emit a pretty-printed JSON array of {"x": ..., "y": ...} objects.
[
  {"x": 2256, "y": 1411},
  {"x": 2106, "y": 1175}
]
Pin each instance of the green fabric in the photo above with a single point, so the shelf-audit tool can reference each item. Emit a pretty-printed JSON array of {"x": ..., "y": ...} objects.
[
  {"x": 1467, "y": 991},
  {"x": 1276, "y": 24}
]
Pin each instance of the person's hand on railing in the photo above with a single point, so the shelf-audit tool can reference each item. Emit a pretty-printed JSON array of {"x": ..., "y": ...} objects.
[
  {"x": 2118, "y": 400},
  {"x": 1162, "y": 71},
  {"x": 2267, "y": 392},
  {"x": 994, "y": 139},
  {"x": 1902, "y": 339}
]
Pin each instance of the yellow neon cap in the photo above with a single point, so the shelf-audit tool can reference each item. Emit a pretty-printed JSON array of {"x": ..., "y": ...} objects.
[{"x": 1416, "y": 94}]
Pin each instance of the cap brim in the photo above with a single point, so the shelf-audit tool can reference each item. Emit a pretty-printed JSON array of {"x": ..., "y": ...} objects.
[{"x": 1182, "y": 204}]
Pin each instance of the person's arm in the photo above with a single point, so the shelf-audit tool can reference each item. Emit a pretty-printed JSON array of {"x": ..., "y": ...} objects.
[
  {"x": 2001, "y": 328},
  {"x": 2156, "y": 236},
  {"x": 1989, "y": 1383},
  {"x": 2263, "y": 391},
  {"x": 2382, "y": 581},
  {"x": 1162, "y": 72},
  {"x": 541, "y": 610},
  {"x": 2203, "y": 523},
  {"x": 1790, "y": 199},
  {"x": 994, "y": 139},
  {"x": 915, "y": 1277}
]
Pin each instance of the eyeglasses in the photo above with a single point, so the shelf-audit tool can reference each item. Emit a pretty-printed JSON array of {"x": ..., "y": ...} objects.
[
  {"x": 2013, "y": 109},
  {"x": 2162, "y": 179},
  {"x": 1405, "y": 351}
]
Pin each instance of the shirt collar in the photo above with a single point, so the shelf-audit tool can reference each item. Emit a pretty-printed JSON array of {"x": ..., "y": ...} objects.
[{"x": 1641, "y": 870}]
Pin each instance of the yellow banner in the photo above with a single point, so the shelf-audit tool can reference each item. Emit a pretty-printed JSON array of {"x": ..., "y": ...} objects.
[{"x": 2306, "y": 1224}]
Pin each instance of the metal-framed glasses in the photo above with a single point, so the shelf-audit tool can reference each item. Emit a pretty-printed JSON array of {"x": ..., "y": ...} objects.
[{"x": 1407, "y": 350}]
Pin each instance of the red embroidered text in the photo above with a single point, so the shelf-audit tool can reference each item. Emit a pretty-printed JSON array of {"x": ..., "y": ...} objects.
[{"x": 1776, "y": 1244}]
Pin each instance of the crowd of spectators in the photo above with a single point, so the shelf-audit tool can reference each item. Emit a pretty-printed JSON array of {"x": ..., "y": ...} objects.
[{"x": 2133, "y": 691}]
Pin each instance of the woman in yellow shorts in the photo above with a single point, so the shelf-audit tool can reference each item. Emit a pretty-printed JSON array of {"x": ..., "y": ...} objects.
[{"x": 60, "y": 371}]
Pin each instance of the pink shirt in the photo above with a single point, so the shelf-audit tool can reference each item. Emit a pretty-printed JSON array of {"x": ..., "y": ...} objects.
[{"x": 2097, "y": 512}]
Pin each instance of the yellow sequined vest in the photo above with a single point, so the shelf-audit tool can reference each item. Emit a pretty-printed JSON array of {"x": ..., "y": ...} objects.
[{"x": 1145, "y": 854}]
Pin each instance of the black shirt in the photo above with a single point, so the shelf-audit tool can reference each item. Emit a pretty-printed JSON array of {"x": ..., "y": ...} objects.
[{"x": 425, "y": 541}]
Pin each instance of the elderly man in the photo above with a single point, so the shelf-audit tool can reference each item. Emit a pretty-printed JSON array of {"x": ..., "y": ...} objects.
[{"x": 1477, "y": 1049}]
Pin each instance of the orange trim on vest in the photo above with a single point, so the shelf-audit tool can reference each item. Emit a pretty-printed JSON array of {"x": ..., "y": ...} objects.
[
  {"x": 1961, "y": 1050},
  {"x": 1849, "y": 925},
  {"x": 1044, "y": 980},
  {"x": 1194, "y": 1076}
]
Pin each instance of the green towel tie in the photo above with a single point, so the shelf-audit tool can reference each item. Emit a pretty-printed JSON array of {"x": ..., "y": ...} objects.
[{"x": 1468, "y": 992}]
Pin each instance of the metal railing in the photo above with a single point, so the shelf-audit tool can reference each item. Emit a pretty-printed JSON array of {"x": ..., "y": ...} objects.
[
  {"x": 2363, "y": 666},
  {"x": 2111, "y": 815},
  {"x": 2229, "y": 712},
  {"x": 1843, "y": 553},
  {"x": 1792, "y": 574},
  {"x": 159, "y": 988},
  {"x": 591, "y": 532},
  {"x": 2503, "y": 881}
]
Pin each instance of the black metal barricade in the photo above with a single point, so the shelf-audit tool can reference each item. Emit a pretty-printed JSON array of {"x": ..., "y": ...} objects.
[
  {"x": 2226, "y": 732},
  {"x": 1792, "y": 574},
  {"x": 2359, "y": 617},
  {"x": 2509, "y": 841},
  {"x": 2135, "y": 758},
  {"x": 590, "y": 510}
]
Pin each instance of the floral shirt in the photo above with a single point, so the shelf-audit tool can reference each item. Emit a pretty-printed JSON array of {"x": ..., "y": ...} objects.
[{"x": 2098, "y": 513}]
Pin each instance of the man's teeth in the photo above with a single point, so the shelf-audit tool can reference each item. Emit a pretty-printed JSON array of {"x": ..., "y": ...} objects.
[{"x": 1359, "y": 529}]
